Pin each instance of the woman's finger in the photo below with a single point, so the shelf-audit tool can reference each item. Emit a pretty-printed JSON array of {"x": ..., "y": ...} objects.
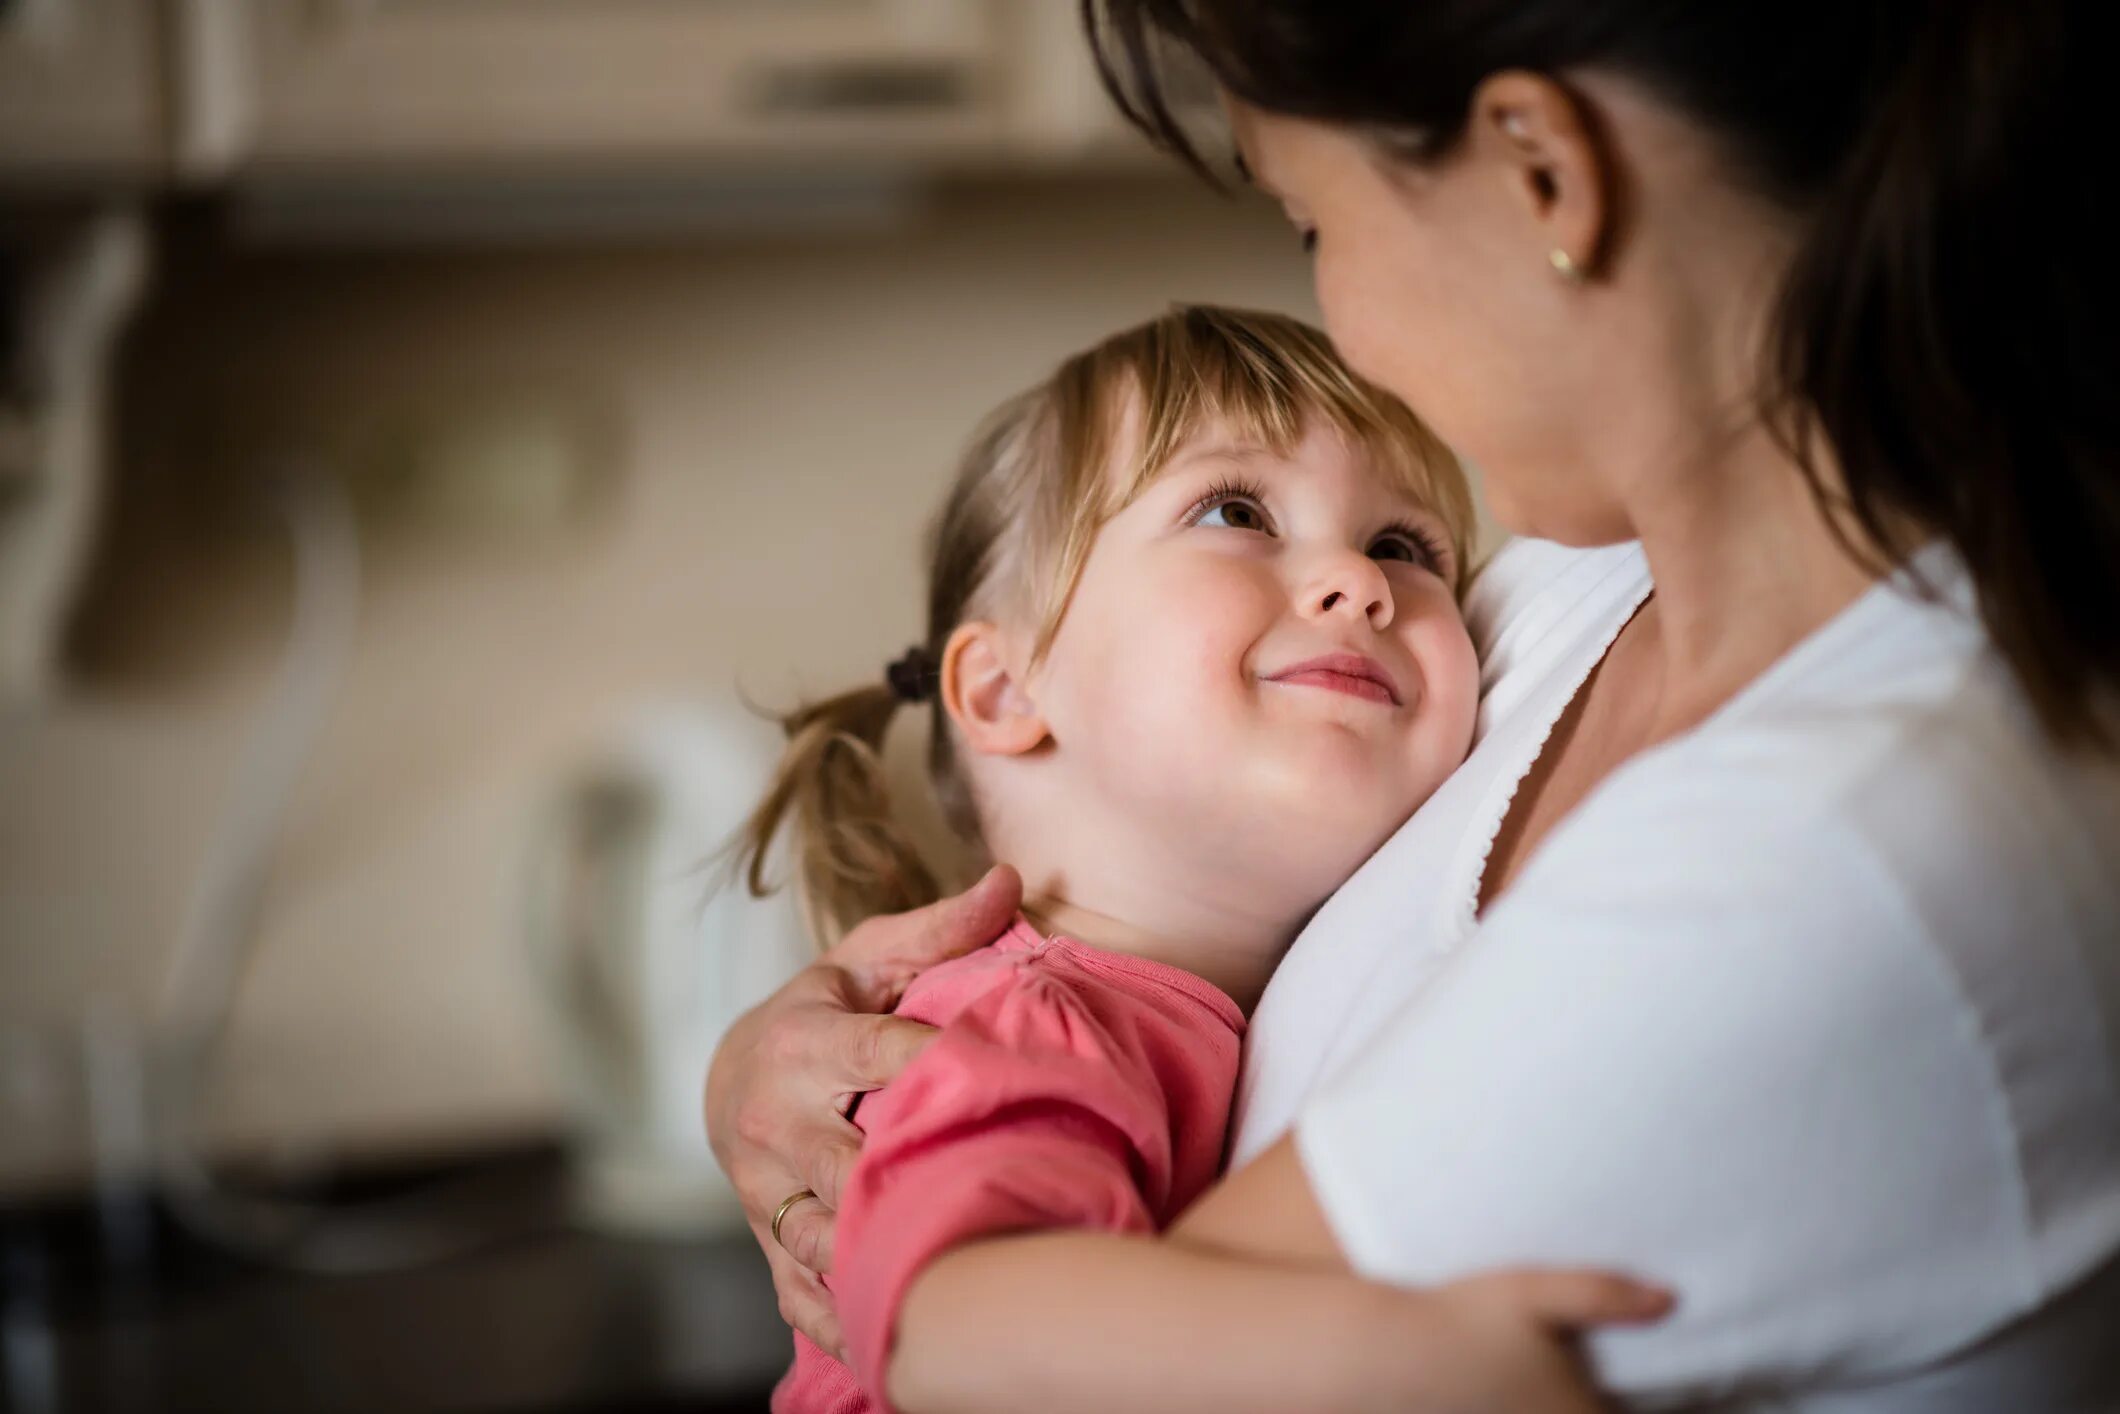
[
  {"x": 869, "y": 1051},
  {"x": 804, "y": 1302},
  {"x": 806, "y": 1234},
  {"x": 824, "y": 1156},
  {"x": 883, "y": 955},
  {"x": 815, "y": 1152}
]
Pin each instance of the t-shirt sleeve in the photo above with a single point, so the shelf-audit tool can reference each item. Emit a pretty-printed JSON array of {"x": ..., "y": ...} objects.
[
  {"x": 1708, "y": 1044},
  {"x": 1030, "y": 1111}
]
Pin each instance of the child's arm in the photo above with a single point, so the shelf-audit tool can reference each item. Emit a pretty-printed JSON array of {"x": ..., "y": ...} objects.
[{"x": 1108, "y": 1324}]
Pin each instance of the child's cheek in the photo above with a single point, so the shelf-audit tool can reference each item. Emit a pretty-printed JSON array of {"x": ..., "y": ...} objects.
[{"x": 1443, "y": 647}]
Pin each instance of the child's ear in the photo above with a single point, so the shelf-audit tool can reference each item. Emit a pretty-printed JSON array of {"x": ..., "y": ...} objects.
[{"x": 983, "y": 697}]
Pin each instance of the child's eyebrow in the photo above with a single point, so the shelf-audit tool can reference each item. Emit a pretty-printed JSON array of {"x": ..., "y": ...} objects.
[{"x": 1222, "y": 449}]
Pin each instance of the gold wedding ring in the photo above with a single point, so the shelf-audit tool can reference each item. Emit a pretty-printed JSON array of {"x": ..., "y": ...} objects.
[{"x": 782, "y": 1211}]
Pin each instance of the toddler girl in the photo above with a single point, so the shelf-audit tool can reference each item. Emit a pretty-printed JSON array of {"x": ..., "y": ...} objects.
[{"x": 1194, "y": 649}]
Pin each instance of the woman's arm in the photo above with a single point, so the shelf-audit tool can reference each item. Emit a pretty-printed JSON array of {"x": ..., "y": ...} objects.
[
  {"x": 1247, "y": 1306},
  {"x": 1731, "y": 1059},
  {"x": 1011, "y": 1174},
  {"x": 1264, "y": 1211},
  {"x": 1703, "y": 1040},
  {"x": 1253, "y": 1333},
  {"x": 1711, "y": 1034}
]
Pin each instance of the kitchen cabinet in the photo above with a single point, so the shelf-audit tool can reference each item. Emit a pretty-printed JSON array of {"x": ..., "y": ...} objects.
[
  {"x": 399, "y": 85},
  {"x": 208, "y": 93},
  {"x": 81, "y": 92}
]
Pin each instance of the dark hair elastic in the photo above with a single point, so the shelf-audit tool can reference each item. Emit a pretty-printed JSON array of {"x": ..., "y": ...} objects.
[{"x": 913, "y": 677}]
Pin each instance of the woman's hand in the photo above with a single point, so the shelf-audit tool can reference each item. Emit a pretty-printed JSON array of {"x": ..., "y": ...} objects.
[
  {"x": 1509, "y": 1341},
  {"x": 784, "y": 1075}
]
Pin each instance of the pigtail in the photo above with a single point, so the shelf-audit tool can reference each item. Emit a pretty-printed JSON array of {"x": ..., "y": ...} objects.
[{"x": 851, "y": 857}]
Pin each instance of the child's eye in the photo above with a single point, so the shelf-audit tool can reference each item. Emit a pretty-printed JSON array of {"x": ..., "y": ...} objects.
[
  {"x": 1410, "y": 544},
  {"x": 1237, "y": 515},
  {"x": 1231, "y": 508}
]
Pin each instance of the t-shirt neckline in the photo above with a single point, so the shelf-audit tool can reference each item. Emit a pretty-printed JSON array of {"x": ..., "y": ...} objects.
[
  {"x": 1935, "y": 567},
  {"x": 1472, "y": 878}
]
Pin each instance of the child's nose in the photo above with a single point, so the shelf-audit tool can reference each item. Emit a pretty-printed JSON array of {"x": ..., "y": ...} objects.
[{"x": 1352, "y": 584}]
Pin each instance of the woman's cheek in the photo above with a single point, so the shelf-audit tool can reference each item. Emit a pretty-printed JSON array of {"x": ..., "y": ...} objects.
[
  {"x": 1350, "y": 319},
  {"x": 1373, "y": 318},
  {"x": 1390, "y": 327}
]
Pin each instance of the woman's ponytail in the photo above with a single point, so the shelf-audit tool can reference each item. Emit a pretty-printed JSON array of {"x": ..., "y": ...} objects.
[
  {"x": 1948, "y": 333},
  {"x": 851, "y": 857}
]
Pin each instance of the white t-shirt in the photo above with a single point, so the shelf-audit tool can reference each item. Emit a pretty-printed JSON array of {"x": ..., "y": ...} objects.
[{"x": 1812, "y": 1013}]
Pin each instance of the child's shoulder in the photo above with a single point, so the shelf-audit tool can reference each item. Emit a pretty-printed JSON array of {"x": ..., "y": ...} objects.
[
  {"x": 1025, "y": 970},
  {"x": 1016, "y": 961}
]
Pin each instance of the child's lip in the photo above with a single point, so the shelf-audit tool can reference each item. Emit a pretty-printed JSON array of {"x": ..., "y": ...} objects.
[{"x": 1350, "y": 673}]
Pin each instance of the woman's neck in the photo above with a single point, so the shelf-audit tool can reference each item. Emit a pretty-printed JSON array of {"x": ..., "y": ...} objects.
[
  {"x": 1746, "y": 566},
  {"x": 1745, "y": 560}
]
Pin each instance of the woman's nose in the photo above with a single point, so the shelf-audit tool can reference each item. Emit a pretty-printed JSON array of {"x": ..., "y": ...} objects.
[{"x": 1348, "y": 584}]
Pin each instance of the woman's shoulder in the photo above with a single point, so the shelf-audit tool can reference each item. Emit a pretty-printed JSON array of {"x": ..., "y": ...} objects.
[
  {"x": 1952, "y": 818},
  {"x": 1848, "y": 953},
  {"x": 1899, "y": 730},
  {"x": 1897, "y": 741},
  {"x": 1880, "y": 848}
]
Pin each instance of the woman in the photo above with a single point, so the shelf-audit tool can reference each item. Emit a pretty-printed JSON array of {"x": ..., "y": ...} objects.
[{"x": 1766, "y": 944}]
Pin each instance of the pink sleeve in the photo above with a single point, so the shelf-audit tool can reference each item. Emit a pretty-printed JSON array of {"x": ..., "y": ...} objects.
[
  {"x": 1035, "y": 1108},
  {"x": 818, "y": 1384}
]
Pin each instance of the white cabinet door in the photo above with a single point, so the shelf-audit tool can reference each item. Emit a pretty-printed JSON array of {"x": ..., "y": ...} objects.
[
  {"x": 398, "y": 83},
  {"x": 80, "y": 91}
]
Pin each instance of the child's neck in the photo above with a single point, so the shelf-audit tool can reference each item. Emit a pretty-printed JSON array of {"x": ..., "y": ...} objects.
[{"x": 1237, "y": 956}]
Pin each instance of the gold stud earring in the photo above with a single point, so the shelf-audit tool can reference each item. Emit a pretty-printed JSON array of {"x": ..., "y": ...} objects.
[{"x": 1565, "y": 264}]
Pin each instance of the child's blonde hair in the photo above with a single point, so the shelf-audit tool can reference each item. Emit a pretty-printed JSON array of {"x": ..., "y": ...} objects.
[{"x": 1033, "y": 490}]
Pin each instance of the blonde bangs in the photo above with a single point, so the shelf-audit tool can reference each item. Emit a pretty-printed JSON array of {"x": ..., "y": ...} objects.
[{"x": 1264, "y": 378}]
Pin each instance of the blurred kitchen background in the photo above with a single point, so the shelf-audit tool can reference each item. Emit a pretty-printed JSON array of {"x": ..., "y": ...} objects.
[{"x": 424, "y": 424}]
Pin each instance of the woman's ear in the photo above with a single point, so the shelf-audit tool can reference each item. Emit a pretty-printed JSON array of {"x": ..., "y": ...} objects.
[
  {"x": 1554, "y": 161},
  {"x": 981, "y": 693}
]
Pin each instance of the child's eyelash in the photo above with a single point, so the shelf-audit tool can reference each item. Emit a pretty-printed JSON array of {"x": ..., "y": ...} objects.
[
  {"x": 1222, "y": 493},
  {"x": 1431, "y": 544},
  {"x": 1432, "y": 547}
]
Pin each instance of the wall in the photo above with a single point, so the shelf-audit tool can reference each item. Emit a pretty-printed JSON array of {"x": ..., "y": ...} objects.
[{"x": 772, "y": 419}]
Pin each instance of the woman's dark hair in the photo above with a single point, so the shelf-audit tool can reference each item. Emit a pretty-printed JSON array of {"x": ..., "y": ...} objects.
[{"x": 1947, "y": 328}]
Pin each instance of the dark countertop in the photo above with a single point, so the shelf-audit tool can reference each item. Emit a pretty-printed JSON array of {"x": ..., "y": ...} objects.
[{"x": 140, "y": 1316}]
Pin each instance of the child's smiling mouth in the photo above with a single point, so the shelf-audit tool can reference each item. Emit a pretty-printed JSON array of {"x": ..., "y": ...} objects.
[{"x": 1350, "y": 673}]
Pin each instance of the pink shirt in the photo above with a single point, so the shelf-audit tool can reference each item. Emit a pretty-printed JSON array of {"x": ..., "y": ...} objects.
[{"x": 1070, "y": 1087}]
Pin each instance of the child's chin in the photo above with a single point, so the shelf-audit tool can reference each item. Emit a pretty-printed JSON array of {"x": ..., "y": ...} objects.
[
  {"x": 1338, "y": 810},
  {"x": 1346, "y": 763}
]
